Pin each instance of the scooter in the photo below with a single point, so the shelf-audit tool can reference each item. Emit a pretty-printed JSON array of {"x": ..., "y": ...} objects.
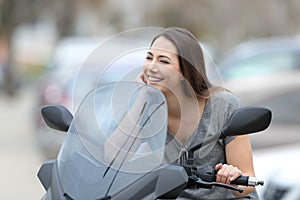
[{"x": 81, "y": 170}]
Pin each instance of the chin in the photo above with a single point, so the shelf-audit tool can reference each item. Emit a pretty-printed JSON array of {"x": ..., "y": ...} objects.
[{"x": 156, "y": 85}]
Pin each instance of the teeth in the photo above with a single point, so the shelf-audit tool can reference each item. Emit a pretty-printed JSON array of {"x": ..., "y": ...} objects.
[{"x": 151, "y": 78}]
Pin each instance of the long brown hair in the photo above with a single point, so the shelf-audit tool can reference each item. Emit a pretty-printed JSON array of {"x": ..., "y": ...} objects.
[{"x": 191, "y": 60}]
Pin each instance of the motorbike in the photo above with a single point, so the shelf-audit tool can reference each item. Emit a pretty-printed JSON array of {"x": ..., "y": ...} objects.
[{"x": 81, "y": 170}]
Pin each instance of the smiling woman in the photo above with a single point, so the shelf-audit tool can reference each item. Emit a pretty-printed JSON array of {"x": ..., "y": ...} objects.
[
  {"x": 161, "y": 67},
  {"x": 162, "y": 70},
  {"x": 196, "y": 109}
]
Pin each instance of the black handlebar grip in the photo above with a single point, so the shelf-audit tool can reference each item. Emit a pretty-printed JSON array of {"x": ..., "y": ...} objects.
[
  {"x": 209, "y": 175},
  {"x": 241, "y": 180},
  {"x": 247, "y": 181}
]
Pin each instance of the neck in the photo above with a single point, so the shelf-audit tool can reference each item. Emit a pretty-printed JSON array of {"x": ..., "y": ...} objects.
[
  {"x": 174, "y": 107},
  {"x": 180, "y": 105},
  {"x": 184, "y": 115}
]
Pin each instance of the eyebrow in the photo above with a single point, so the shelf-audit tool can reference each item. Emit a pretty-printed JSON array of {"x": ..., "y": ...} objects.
[{"x": 160, "y": 56}]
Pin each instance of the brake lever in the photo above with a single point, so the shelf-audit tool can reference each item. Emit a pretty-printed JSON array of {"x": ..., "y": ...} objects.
[{"x": 204, "y": 184}]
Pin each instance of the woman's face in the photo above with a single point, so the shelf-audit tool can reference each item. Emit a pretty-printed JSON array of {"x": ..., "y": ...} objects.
[{"x": 161, "y": 67}]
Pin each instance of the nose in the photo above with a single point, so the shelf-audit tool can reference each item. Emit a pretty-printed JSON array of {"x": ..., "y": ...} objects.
[{"x": 153, "y": 68}]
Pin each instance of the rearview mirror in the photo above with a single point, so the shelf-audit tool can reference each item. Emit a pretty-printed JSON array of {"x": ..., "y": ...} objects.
[
  {"x": 247, "y": 120},
  {"x": 57, "y": 117},
  {"x": 244, "y": 120}
]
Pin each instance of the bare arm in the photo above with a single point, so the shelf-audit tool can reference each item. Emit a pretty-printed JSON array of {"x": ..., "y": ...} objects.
[
  {"x": 240, "y": 162},
  {"x": 124, "y": 137}
]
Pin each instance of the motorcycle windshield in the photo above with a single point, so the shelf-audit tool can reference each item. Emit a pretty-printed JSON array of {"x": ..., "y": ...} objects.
[{"x": 117, "y": 136}]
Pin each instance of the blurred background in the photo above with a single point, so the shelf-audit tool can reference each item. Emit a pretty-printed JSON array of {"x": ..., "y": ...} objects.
[{"x": 254, "y": 44}]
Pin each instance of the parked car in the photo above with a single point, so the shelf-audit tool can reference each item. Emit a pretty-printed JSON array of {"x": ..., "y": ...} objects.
[
  {"x": 1, "y": 77},
  {"x": 277, "y": 167},
  {"x": 54, "y": 86},
  {"x": 79, "y": 65},
  {"x": 266, "y": 72}
]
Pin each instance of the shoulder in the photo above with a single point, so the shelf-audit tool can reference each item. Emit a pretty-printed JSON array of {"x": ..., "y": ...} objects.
[
  {"x": 223, "y": 104},
  {"x": 225, "y": 98}
]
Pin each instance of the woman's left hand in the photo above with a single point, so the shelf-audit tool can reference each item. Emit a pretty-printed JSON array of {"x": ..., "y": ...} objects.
[
  {"x": 141, "y": 78},
  {"x": 227, "y": 173}
]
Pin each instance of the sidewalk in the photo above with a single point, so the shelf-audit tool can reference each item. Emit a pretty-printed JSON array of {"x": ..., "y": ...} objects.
[{"x": 20, "y": 159}]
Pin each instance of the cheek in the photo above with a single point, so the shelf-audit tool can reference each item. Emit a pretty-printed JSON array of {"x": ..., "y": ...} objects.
[
  {"x": 145, "y": 65},
  {"x": 177, "y": 68},
  {"x": 145, "y": 68},
  {"x": 173, "y": 73}
]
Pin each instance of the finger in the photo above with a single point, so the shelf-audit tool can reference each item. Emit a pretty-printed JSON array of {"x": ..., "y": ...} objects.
[
  {"x": 220, "y": 173},
  {"x": 144, "y": 77},
  {"x": 218, "y": 166},
  {"x": 141, "y": 78},
  {"x": 235, "y": 174},
  {"x": 225, "y": 175}
]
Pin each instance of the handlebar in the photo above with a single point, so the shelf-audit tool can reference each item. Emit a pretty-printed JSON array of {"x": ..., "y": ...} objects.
[
  {"x": 205, "y": 177},
  {"x": 208, "y": 174},
  {"x": 247, "y": 181},
  {"x": 241, "y": 180}
]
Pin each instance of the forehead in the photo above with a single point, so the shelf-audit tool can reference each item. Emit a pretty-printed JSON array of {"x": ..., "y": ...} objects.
[{"x": 163, "y": 44}]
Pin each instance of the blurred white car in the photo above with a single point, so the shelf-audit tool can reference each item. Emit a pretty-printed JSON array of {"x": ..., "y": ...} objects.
[
  {"x": 54, "y": 87},
  {"x": 78, "y": 66},
  {"x": 1, "y": 77},
  {"x": 278, "y": 167},
  {"x": 266, "y": 73}
]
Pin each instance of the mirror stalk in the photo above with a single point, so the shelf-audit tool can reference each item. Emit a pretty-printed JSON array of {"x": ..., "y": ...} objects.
[{"x": 194, "y": 148}]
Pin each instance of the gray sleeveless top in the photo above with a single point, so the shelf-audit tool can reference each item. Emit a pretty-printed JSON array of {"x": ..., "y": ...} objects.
[{"x": 216, "y": 112}]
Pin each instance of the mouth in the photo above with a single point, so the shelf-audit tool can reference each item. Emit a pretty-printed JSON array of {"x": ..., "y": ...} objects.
[{"x": 154, "y": 79}]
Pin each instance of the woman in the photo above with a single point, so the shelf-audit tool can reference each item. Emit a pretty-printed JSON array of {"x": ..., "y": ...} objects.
[{"x": 196, "y": 110}]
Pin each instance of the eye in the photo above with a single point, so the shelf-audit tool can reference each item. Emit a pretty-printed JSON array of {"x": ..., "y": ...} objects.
[
  {"x": 164, "y": 61},
  {"x": 148, "y": 58}
]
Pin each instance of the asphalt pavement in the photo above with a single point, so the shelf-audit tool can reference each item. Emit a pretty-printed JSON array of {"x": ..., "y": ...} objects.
[{"x": 19, "y": 153}]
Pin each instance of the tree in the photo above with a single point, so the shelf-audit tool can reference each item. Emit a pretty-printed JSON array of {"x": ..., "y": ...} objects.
[
  {"x": 12, "y": 13},
  {"x": 16, "y": 12}
]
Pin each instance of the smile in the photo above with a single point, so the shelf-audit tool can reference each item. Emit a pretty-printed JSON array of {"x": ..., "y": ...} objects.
[{"x": 154, "y": 79}]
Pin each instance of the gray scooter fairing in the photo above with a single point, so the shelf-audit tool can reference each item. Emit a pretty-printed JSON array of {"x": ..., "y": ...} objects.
[
  {"x": 80, "y": 170},
  {"x": 166, "y": 182}
]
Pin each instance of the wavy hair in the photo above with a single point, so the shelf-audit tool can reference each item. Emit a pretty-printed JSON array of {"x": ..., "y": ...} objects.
[{"x": 191, "y": 61}]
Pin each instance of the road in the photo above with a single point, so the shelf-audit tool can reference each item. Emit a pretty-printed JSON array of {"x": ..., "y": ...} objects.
[{"x": 20, "y": 157}]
